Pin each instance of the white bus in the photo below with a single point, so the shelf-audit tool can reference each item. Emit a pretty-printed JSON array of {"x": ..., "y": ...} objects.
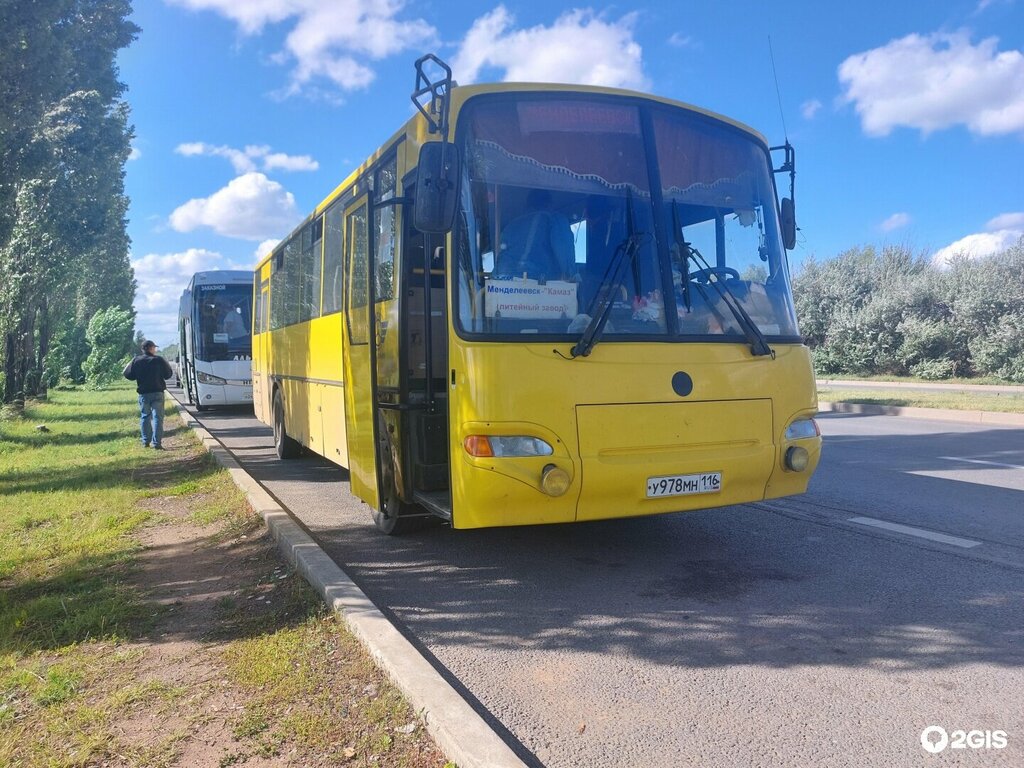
[{"x": 215, "y": 339}]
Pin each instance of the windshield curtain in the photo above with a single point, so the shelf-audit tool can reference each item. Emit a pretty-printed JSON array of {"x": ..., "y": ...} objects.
[
  {"x": 717, "y": 189},
  {"x": 223, "y": 322},
  {"x": 557, "y": 202}
]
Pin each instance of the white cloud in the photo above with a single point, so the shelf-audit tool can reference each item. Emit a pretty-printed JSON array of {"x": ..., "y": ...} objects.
[
  {"x": 162, "y": 278},
  {"x": 1003, "y": 232},
  {"x": 331, "y": 40},
  {"x": 191, "y": 149},
  {"x": 932, "y": 82},
  {"x": 135, "y": 154},
  {"x": 250, "y": 207},
  {"x": 678, "y": 40},
  {"x": 251, "y": 158},
  {"x": 251, "y": 15},
  {"x": 580, "y": 47},
  {"x": 810, "y": 108},
  {"x": 978, "y": 245},
  {"x": 285, "y": 162},
  {"x": 983, "y": 4},
  {"x": 896, "y": 221},
  {"x": 1006, "y": 221},
  {"x": 264, "y": 248}
]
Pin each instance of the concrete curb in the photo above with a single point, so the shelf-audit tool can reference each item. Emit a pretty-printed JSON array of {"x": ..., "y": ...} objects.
[
  {"x": 459, "y": 731},
  {"x": 936, "y": 414}
]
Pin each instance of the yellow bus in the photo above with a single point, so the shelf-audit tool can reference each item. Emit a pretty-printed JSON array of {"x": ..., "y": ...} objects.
[{"x": 544, "y": 304}]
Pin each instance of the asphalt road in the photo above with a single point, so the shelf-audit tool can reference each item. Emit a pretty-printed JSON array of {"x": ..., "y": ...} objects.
[{"x": 788, "y": 633}]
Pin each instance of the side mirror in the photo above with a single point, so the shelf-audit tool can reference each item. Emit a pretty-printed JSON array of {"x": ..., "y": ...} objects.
[
  {"x": 788, "y": 224},
  {"x": 437, "y": 188}
]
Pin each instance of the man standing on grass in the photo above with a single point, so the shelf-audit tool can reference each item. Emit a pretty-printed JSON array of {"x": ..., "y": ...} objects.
[{"x": 149, "y": 372}]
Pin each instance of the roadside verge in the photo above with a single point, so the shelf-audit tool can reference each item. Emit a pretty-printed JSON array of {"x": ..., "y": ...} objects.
[
  {"x": 911, "y": 412},
  {"x": 460, "y": 732}
]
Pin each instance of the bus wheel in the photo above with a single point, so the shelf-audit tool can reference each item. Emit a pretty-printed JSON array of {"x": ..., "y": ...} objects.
[
  {"x": 392, "y": 518},
  {"x": 286, "y": 447}
]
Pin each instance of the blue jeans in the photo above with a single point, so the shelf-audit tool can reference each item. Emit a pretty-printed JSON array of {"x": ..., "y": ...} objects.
[{"x": 151, "y": 422}]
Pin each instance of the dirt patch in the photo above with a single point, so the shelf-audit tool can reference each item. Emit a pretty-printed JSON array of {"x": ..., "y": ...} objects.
[{"x": 216, "y": 592}]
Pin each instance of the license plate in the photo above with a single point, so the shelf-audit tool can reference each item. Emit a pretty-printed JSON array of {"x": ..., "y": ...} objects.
[{"x": 684, "y": 485}]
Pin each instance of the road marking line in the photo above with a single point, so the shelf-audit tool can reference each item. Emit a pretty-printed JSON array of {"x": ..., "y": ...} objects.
[
  {"x": 943, "y": 538},
  {"x": 979, "y": 461}
]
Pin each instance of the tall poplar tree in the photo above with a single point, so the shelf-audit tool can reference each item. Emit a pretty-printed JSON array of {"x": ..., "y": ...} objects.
[{"x": 64, "y": 142}]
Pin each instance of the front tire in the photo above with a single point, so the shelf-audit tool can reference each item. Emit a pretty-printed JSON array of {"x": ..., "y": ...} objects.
[
  {"x": 284, "y": 446},
  {"x": 392, "y": 519}
]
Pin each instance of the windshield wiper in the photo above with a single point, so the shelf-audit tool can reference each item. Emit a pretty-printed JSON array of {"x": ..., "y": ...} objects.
[
  {"x": 625, "y": 254},
  {"x": 758, "y": 344}
]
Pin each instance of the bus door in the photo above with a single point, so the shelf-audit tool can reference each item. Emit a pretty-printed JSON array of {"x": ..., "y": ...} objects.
[
  {"x": 358, "y": 360},
  {"x": 261, "y": 383},
  {"x": 425, "y": 359},
  {"x": 188, "y": 347}
]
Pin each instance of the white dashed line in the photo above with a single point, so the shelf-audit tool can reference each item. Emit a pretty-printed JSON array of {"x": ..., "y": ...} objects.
[
  {"x": 979, "y": 461},
  {"x": 942, "y": 538}
]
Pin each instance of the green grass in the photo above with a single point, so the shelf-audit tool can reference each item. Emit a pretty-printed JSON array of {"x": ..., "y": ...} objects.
[
  {"x": 69, "y": 504},
  {"x": 961, "y": 401},
  {"x": 991, "y": 380},
  {"x": 72, "y": 501},
  {"x": 314, "y": 686}
]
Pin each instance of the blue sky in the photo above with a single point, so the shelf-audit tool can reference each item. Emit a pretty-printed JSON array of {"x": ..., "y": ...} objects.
[{"x": 907, "y": 117}]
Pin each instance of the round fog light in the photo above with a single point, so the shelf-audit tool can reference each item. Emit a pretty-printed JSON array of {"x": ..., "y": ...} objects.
[
  {"x": 797, "y": 458},
  {"x": 554, "y": 481}
]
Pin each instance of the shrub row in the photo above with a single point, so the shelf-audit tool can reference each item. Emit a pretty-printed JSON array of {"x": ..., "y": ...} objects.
[{"x": 870, "y": 312}]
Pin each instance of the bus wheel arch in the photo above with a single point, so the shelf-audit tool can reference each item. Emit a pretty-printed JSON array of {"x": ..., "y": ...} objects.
[{"x": 285, "y": 447}]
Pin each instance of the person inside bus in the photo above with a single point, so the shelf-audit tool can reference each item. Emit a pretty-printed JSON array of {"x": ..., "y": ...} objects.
[
  {"x": 232, "y": 323},
  {"x": 539, "y": 244},
  {"x": 605, "y": 231}
]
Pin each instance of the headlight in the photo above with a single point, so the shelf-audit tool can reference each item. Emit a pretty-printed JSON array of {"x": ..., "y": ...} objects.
[
  {"x": 505, "y": 446},
  {"x": 206, "y": 378},
  {"x": 554, "y": 481},
  {"x": 797, "y": 458},
  {"x": 802, "y": 428}
]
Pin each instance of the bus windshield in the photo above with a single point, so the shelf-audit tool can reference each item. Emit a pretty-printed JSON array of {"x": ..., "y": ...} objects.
[
  {"x": 223, "y": 322},
  {"x": 574, "y": 204}
]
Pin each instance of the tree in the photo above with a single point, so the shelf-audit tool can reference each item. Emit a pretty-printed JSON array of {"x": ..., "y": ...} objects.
[
  {"x": 64, "y": 140},
  {"x": 110, "y": 337}
]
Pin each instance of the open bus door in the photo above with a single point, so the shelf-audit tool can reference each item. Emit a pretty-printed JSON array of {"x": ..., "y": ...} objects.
[
  {"x": 359, "y": 358},
  {"x": 260, "y": 381}
]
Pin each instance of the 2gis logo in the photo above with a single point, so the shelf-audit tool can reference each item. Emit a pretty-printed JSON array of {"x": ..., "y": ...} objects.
[{"x": 935, "y": 739}]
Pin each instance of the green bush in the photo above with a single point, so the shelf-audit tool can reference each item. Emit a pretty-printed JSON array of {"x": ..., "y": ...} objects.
[
  {"x": 110, "y": 336},
  {"x": 867, "y": 312},
  {"x": 934, "y": 370},
  {"x": 1000, "y": 351}
]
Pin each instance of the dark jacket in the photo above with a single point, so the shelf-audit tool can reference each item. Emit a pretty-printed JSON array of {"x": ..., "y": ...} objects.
[{"x": 148, "y": 372}]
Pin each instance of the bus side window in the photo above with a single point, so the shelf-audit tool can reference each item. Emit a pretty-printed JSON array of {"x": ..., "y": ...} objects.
[
  {"x": 358, "y": 263},
  {"x": 257, "y": 316},
  {"x": 333, "y": 240}
]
